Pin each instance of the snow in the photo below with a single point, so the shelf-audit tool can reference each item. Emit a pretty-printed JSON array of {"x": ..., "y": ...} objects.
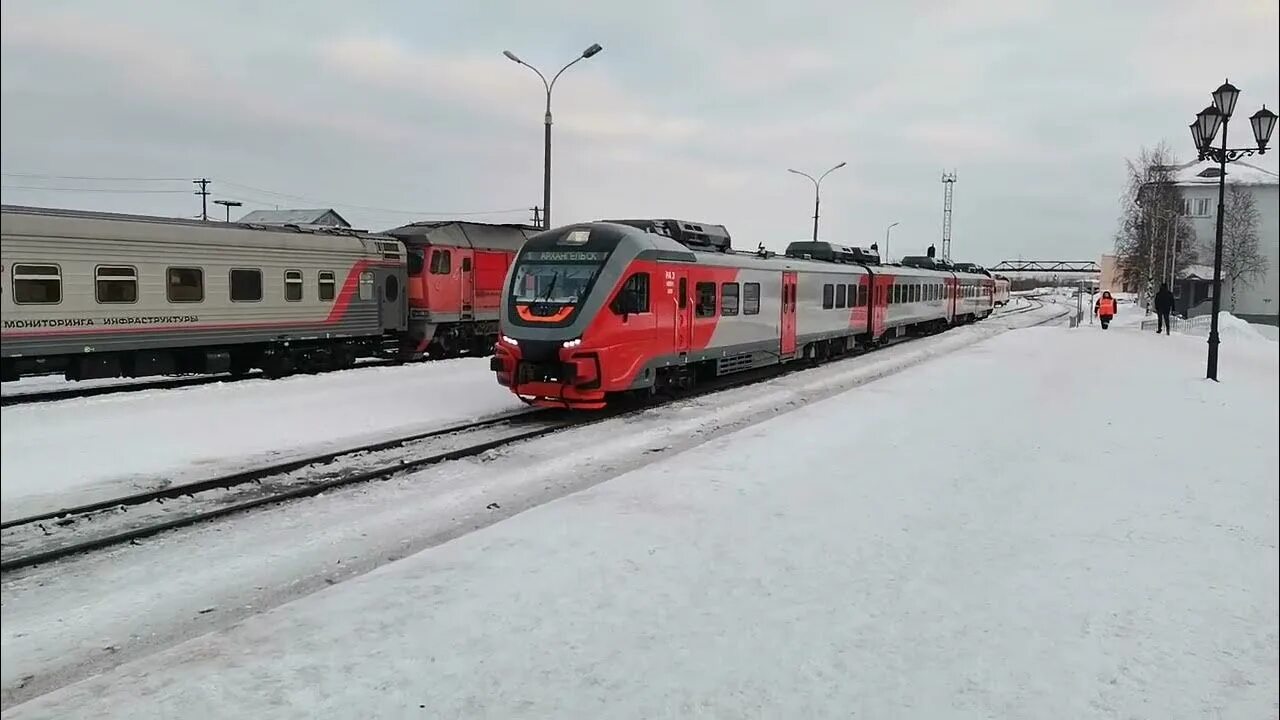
[
  {"x": 1080, "y": 527},
  {"x": 69, "y": 452}
]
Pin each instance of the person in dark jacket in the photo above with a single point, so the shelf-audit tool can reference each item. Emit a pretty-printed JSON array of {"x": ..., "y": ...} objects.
[{"x": 1164, "y": 306}]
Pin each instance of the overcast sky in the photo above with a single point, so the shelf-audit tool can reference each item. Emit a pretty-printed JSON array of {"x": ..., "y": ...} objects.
[{"x": 694, "y": 110}]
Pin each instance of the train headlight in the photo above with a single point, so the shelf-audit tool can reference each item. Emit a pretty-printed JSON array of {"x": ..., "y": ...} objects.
[
  {"x": 571, "y": 343},
  {"x": 510, "y": 340}
]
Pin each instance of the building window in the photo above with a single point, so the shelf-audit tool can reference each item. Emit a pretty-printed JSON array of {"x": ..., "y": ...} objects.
[
  {"x": 1203, "y": 207},
  {"x": 326, "y": 284},
  {"x": 246, "y": 285},
  {"x": 293, "y": 285},
  {"x": 729, "y": 299},
  {"x": 184, "y": 285},
  {"x": 37, "y": 284},
  {"x": 115, "y": 284},
  {"x": 706, "y": 306},
  {"x": 751, "y": 298},
  {"x": 828, "y": 297},
  {"x": 842, "y": 295}
]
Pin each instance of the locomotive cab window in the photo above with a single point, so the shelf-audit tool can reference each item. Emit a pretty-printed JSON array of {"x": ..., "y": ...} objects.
[
  {"x": 729, "y": 299},
  {"x": 440, "y": 262},
  {"x": 633, "y": 296},
  {"x": 326, "y": 284},
  {"x": 184, "y": 285},
  {"x": 706, "y": 306},
  {"x": 828, "y": 297},
  {"x": 751, "y": 298},
  {"x": 37, "y": 284},
  {"x": 842, "y": 296},
  {"x": 246, "y": 285},
  {"x": 115, "y": 284},
  {"x": 416, "y": 263},
  {"x": 293, "y": 285}
]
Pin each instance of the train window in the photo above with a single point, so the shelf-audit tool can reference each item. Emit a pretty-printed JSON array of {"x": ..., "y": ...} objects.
[
  {"x": 327, "y": 284},
  {"x": 637, "y": 286},
  {"x": 706, "y": 306},
  {"x": 184, "y": 285},
  {"x": 246, "y": 285},
  {"x": 416, "y": 261},
  {"x": 37, "y": 284},
  {"x": 293, "y": 285},
  {"x": 466, "y": 264},
  {"x": 862, "y": 295},
  {"x": 750, "y": 298},
  {"x": 683, "y": 299},
  {"x": 729, "y": 299},
  {"x": 842, "y": 295},
  {"x": 828, "y": 297},
  {"x": 440, "y": 264},
  {"x": 392, "y": 289},
  {"x": 115, "y": 284},
  {"x": 366, "y": 285}
]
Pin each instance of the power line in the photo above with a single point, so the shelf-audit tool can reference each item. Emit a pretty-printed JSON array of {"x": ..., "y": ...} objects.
[
  {"x": 122, "y": 191},
  {"x": 37, "y": 176},
  {"x": 394, "y": 211}
]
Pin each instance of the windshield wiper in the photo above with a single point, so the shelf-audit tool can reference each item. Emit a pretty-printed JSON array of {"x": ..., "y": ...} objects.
[{"x": 545, "y": 299}]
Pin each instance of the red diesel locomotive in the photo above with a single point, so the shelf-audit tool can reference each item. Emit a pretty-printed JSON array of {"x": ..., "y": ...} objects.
[{"x": 637, "y": 306}]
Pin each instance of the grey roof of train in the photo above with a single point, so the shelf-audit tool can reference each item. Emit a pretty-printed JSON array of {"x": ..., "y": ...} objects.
[
  {"x": 126, "y": 217},
  {"x": 304, "y": 216}
]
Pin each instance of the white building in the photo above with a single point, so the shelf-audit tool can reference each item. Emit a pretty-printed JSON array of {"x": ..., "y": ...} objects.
[{"x": 1198, "y": 181}]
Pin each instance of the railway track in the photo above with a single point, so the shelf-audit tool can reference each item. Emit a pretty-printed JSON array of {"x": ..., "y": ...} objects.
[{"x": 66, "y": 532}]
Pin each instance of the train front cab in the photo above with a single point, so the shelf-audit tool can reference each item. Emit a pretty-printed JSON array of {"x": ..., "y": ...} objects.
[{"x": 576, "y": 319}]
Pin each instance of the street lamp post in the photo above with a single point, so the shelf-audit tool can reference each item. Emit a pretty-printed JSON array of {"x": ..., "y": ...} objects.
[
  {"x": 817, "y": 185},
  {"x": 1202, "y": 132},
  {"x": 546, "y": 161},
  {"x": 228, "y": 204},
  {"x": 886, "y": 241}
]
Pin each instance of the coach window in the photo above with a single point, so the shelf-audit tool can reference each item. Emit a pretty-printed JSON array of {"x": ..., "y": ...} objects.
[
  {"x": 246, "y": 285},
  {"x": 115, "y": 284},
  {"x": 750, "y": 298},
  {"x": 293, "y": 285},
  {"x": 326, "y": 284},
  {"x": 366, "y": 285},
  {"x": 440, "y": 264},
  {"x": 706, "y": 306},
  {"x": 37, "y": 284},
  {"x": 729, "y": 299},
  {"x": 184, "y": 285},
  {"x": 828, "y": 297},
  {"x": 842, "y": 296},
  {"x": 636, "y": 287}
]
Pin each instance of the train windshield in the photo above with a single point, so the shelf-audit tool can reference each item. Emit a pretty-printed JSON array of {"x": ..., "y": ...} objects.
[{"x": 548, "y": 287}]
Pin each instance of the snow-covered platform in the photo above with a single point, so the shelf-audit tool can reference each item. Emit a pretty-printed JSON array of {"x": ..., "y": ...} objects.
[{"x": 1052, "y": 523}]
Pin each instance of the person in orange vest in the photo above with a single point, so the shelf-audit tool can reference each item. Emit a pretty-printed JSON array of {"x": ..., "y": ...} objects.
[{"x": 1105, "y": 309}]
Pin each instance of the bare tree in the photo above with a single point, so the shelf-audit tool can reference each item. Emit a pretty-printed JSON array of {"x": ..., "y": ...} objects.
[
  {"x": 1151, "y": 226},
  {"x": 1242, "y": 260}
]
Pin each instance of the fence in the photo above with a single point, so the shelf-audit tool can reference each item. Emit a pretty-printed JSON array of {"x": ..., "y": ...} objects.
[{"x": 1198, "y": 325}]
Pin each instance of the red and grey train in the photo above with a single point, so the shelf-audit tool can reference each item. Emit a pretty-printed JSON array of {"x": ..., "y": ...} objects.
[{"x": 615, "y": 307}]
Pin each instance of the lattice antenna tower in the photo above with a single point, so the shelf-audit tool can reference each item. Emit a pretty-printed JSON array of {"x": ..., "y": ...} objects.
[{"x": 948, "y": 184}]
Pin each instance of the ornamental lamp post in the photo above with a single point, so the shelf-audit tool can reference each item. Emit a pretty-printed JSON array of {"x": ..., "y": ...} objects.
[
  {"x": 817, "y": 184},
  {"x": 546, "y": 159},
  {"x": 1203, "y": 131}
]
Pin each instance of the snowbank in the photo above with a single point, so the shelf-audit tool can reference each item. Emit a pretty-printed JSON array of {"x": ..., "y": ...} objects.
[
  {"x": 1017, "y": 548},
  {"x": 64, "y": 453}
]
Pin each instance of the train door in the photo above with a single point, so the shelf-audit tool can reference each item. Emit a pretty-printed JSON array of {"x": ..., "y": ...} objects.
[
  {"x": 683, "y": 305},
  {"x": 391, "y": 306},
  {"x": 950, "y": 285},
  {"x": 880, "y": 285},
  {"x": 466, "y": 302},
  {"x": 788, "y": 323}
]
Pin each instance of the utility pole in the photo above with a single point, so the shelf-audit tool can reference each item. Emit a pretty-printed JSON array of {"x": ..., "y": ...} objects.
[
  {"x": 203, "y": 192},
  {"x": 948, "y": 182}
]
